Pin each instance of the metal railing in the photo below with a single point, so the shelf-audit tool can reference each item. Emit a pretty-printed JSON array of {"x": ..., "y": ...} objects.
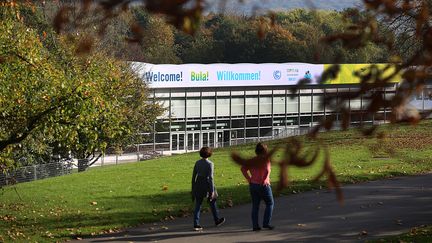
[{"x": 35, "y": 172}]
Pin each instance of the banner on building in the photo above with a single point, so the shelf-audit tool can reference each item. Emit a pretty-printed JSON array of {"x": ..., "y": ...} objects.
[{"x": 231, "y": 75}]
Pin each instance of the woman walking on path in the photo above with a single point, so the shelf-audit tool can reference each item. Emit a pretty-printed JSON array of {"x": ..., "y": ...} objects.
[
  {"x": 257, "y": 172},
  {"x": 203, "y": 187}
]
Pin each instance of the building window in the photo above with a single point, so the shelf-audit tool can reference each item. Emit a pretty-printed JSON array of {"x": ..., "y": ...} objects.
[
  {"x": 223, "y": 106},
  {"x": 317, "y": 103},
  {"x": 305, "y": 104},
  {"x": 237, "y": 106},
  {"x": 252, "y": 105},
  {"x": 237, "y": 123},
  {"x": 208, "y": 107},
  {"x": 265, "y": 105},
  {"x": 165, "y": 105},
  {"x": 292, "y": 104},
  {"x": 279, "y": 104},
  {"x": 178, "y": 108}
]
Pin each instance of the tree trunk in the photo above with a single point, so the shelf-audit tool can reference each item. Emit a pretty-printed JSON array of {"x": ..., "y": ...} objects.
[{"x": 83, "y": 164}]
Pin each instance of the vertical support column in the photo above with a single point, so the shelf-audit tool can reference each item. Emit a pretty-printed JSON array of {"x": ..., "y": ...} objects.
[
  {"x": 185, "y": 140},
  {"x": 200, "y": 131},
  {"x": 154, "y": 136},
  {"x": 34, "y": 172},
  {"x": 337, "y": 105},
  {"x": 230, "y": 117},
  {"x": 349, "y": 108},
  {"x": 259, "y": 115},
  {"x": 312, "y": 110},
  {"x": 154, "y": 123},
  {"x": 361, "y": 110},
  {"x": 373, "y": 115},
  {"x": 324, "y": 104},
  {"x": 272, "y": 114},
  {"x": 298, "y": 108},
  {"x": 385, "y": 108},
  {"x": 244, "y": 116},
  {"x": 170, "y": 119},
  {"x": 215, "y": 138},
  {"x": 286, "y": 110}
]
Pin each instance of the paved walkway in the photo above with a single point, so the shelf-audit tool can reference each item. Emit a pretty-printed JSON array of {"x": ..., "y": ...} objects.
[{"x": 372, "y": 209}]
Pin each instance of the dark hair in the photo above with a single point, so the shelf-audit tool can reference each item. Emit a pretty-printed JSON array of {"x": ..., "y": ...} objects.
[
  {"x": 260, "y": 149},
  {"x": 205, "y": 152}
]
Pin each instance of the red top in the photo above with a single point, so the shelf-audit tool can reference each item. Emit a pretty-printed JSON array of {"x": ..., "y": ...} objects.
[{"x": 258, "y": 175}]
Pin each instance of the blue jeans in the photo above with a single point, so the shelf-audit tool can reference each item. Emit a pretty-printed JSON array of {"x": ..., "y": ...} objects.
[
  {"x": 265, "y": 193},
  {"x": 213, "y": 207}
]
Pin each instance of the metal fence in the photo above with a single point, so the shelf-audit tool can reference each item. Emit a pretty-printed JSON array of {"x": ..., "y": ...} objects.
[{"x": 35, "y": 172}]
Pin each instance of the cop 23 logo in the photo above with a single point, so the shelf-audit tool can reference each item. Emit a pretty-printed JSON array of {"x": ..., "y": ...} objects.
[{"x": 277, "y": 74}]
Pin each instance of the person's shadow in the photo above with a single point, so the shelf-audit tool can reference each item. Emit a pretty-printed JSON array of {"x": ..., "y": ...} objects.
[{"x": 165, "y": 235}]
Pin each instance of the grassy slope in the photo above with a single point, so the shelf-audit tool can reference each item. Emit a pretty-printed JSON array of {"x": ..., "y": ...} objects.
[{"x": 113, "y": 197}]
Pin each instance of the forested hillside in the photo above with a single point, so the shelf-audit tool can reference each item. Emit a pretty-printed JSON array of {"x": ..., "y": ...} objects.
[{"x": 290, "y": 36}]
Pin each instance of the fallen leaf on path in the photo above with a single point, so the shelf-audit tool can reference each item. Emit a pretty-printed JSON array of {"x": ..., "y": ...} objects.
[{"x": 230, "y": 203}]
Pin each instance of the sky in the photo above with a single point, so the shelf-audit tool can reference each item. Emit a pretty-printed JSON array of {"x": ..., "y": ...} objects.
[{"x": 248, "y": 7}]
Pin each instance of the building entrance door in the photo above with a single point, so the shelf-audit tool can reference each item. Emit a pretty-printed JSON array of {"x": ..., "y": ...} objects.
[
  {"x": 193, "y": 141},
  {"x": 220, "y": 139},
  {"x": 177, "y": 141},
  {"x": 208, "y": 139},
  {"x": 233, "y": 140}
]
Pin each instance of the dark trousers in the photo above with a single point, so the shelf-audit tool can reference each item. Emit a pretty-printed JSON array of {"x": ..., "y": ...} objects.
[
  {"x": 213, "y": 207},
  {"x": 265, "y": 193}
]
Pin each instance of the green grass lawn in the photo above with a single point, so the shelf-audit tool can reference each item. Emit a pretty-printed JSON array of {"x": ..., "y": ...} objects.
[
  {"x": 110, "y": 198},
  {"x": 418, "y": 234}
]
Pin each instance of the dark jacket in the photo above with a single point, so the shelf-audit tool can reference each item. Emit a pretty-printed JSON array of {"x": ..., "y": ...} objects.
[{"x": 202, "y": 179}]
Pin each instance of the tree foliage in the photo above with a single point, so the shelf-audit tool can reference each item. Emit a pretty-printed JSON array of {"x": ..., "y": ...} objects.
[
  {"x": 53, "y": 102},
  {"x": 293, "y": 36}
]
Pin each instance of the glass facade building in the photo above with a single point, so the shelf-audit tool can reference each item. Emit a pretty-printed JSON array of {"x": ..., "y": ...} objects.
[
  {"x": 215, "y": 117},
  {"x": 226, "y": 104}
]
